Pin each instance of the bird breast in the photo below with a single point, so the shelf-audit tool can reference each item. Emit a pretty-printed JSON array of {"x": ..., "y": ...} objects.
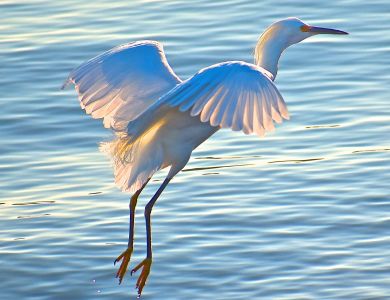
[{"x": 179, "y": 134}]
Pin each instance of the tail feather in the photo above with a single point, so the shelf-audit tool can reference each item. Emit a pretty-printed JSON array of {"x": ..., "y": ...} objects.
[{"x": 134, "y": 161}]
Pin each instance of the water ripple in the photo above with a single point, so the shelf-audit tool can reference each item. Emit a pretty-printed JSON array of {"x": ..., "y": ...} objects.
[{"x": 301, "y": 214}]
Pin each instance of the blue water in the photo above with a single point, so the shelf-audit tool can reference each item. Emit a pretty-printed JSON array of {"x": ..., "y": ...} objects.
[{"x": 301, "y": 214}]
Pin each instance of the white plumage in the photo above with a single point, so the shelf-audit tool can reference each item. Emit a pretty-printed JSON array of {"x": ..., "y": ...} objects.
[
  {"x": 136, "y": 93},
  {"x": 121, "y": 83},
  {"x": 159, "y": 119},
  {"x": 234, "y": 95}
]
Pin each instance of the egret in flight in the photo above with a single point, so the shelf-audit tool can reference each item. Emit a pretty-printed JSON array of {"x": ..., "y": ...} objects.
[{"x": 160, "y": 119}]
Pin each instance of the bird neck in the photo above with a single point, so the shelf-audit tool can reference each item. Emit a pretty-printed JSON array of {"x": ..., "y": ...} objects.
[{"x": 268, "y": 50}]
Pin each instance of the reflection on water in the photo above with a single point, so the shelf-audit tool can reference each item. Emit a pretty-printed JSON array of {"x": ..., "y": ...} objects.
[
  {"x": 33, "y": 203},
  {"x": 227, "y": 157},
  {"x": 214, "y": 167},
  {"x": 296, "y": 161},
  {"x": 370, "y": 150},
  {"x": 322, "y": 126},
  {"x": 30, "y": 217},
  {"x": 251, "y": 230}
]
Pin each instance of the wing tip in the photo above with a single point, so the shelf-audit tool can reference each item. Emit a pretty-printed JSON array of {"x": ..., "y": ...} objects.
[
  {"x": 65, "y": 84},
  {"x": 68, "y": 81}
]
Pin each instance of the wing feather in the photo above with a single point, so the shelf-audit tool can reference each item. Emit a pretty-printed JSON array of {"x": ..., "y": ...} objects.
[
  {"x": 123, "y": 82},
  {"x": 232, "y": 95},
  {"x": 248, "y": 115},
  {"x": 258, "y": 118}
]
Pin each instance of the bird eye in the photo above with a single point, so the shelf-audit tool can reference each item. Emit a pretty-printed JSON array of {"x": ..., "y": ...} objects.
[{"x": 305, "y": 28}]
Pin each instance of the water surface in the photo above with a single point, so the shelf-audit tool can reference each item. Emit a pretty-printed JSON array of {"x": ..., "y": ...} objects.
[{"x": 301, "y": 214}]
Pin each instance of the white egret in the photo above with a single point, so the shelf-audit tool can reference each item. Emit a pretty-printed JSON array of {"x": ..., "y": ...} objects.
[{"x": 160, "y": 119}]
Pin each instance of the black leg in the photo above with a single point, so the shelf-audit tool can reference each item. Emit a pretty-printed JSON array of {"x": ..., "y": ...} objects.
[
  {"x": 147, "y": 262},
  {"x": 126, "y": 255}
]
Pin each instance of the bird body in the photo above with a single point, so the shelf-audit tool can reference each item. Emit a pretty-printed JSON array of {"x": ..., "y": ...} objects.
[
  {"x": 164, "y": 142},
  {"x": 190, "y": 113},
  {"x": 160, "y": 119}
]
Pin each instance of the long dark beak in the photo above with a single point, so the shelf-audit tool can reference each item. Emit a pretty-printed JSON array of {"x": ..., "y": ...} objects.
[{"x": 321, "y": 30}]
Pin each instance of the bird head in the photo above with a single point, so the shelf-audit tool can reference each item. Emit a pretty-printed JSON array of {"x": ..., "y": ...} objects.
[
  {"x": 282, "y": 34},
  {"x": 293, "y": 31}
]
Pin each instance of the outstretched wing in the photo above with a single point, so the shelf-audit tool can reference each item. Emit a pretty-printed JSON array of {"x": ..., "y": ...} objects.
[
  {"x": 237, "y": 95},
  {"x": 123, "y": 82}
]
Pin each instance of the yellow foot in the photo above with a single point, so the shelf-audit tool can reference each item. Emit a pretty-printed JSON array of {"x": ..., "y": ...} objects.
[
  {"x": 145, "y": 264},
  {"x": 125, "y": 257}
]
